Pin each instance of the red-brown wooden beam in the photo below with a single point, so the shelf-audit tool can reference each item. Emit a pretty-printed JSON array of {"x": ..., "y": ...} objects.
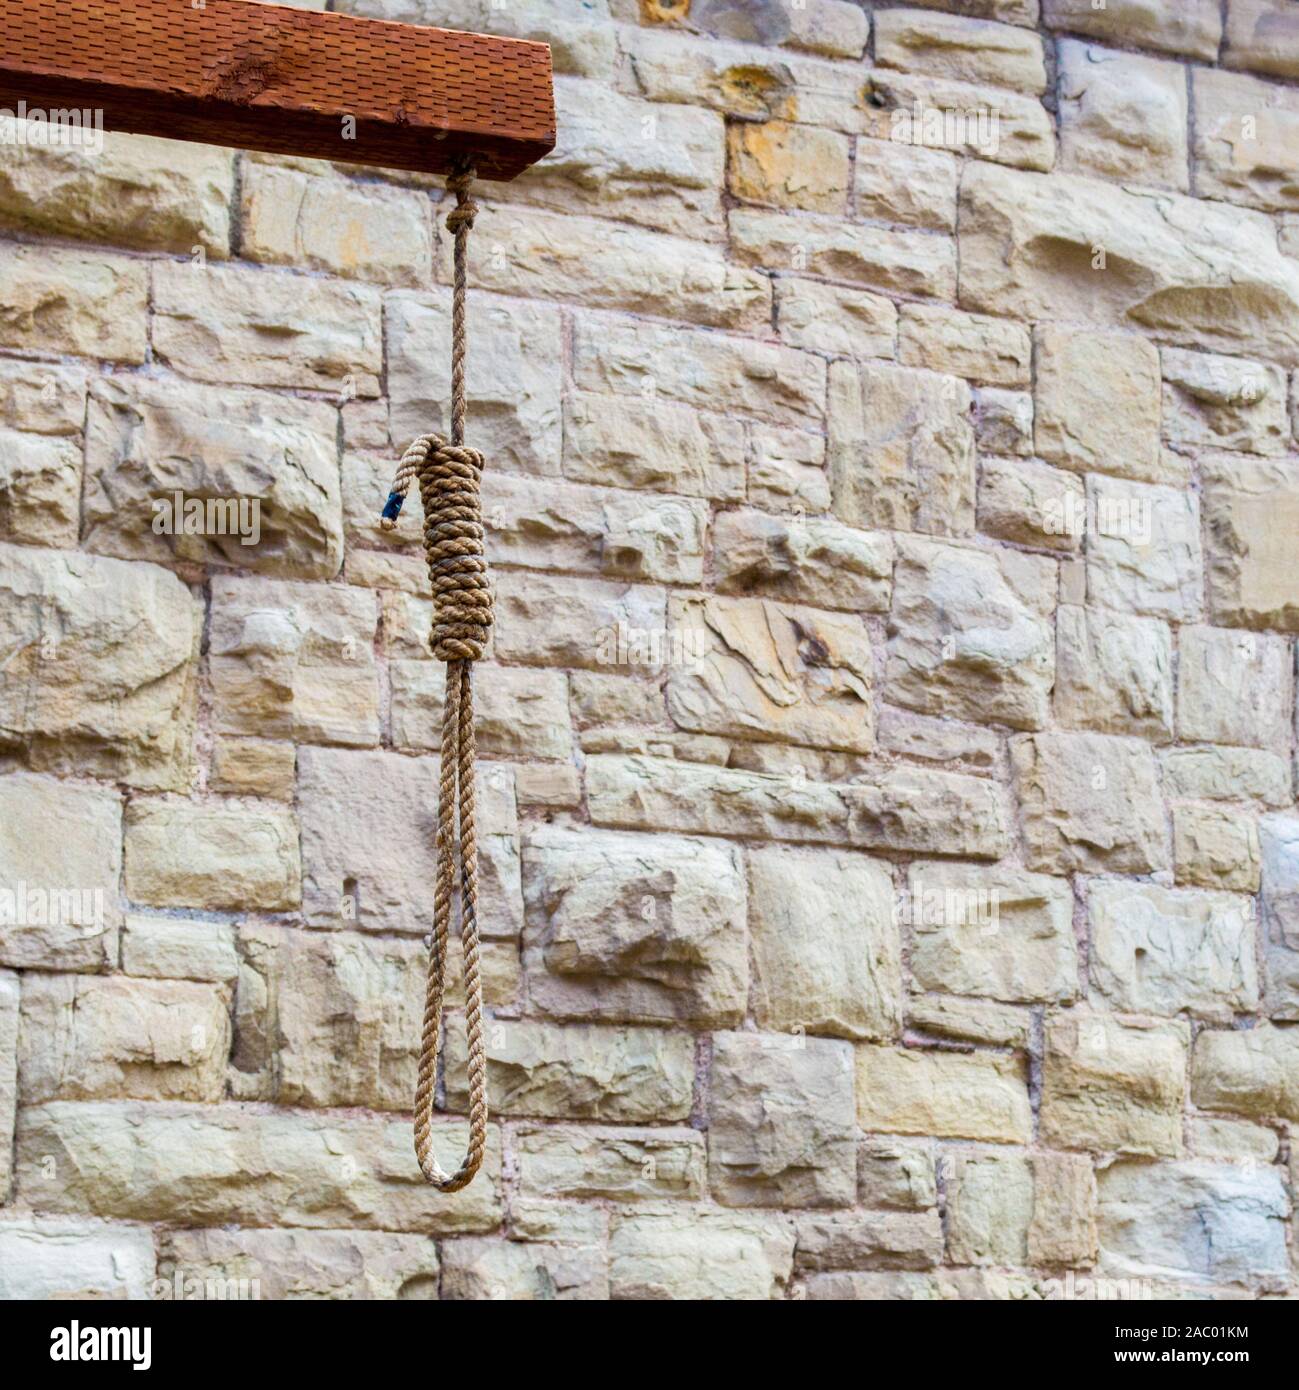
[{"x": 266, "y": 77}]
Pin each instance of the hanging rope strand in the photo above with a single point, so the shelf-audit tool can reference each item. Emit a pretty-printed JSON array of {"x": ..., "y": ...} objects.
[{"x": 449, "y": 476}]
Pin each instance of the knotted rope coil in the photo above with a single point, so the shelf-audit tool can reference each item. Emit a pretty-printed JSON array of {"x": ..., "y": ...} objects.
[{"x": 449, "y": 475}]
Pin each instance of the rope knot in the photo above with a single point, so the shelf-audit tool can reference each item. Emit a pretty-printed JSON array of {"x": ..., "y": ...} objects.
[
  {"x": 461, "y": 217},
  {"x": 450, "y": 477}
]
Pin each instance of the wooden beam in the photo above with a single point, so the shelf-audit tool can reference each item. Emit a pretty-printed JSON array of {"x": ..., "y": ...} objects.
[{"x": 300, "y": 82}]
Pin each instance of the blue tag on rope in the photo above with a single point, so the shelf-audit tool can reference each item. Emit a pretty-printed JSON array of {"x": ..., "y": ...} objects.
[{"x": 392, "y": 507}]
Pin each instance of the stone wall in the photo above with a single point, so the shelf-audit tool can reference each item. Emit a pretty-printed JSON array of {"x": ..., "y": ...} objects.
[{"x": 890, "y": 850}]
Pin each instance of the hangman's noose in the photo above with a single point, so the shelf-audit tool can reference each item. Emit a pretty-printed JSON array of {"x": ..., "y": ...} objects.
[{"x": 449, "y": 476}]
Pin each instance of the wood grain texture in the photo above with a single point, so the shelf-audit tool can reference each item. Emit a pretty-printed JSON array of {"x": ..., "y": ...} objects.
[{"x": 303, "y": 82}]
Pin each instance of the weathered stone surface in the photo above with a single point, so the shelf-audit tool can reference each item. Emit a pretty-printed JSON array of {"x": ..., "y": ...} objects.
[
  {"x": 1278, "y": 838},
  {"x": 622, "y": 1164},
  {"x": 1262, "y": 35},
  {"x": 911, "y": 809},
  {"x": 234, "y": 1164},
  {"x": 869, "y": 1240},
  {"x": 1097, "y": 402},
  {"x": 67, "y": 302},
  {"x": 1122, "y": 116},
  {"x": 977, "y": 1095},
  {"x": 891, "y": 261},
  {"x": 825, "y": 948},
  {"x": 1089, "y": 802},
  {"x": 497, "y": 1270},
  {"x": 1003, "y": 421},
  {"x": 580, "y": 1072},
  {"x": 1159, "y": 951},
  {"x": 1227, "y": 774},
  {"x": 1215, "y": 848},
  {"x": 787, "y": 471},
  {"x": 87, "y": 1038},
  {"x": 699, "y": 1254},
  {"x": 291, "y": 660},
  {"x": 1196, "y": 1221},
  {"x": 968, "y": 345},
  {"x": 328, "y": 1018},
  {"x": 40, "y": 489},
  {"x": 1196, "y": 273},
  {"x": 939, "y": 740},
  {"x": 761, "y": 669},
  {"x": 897, "y": 1174},
  {"x": 1190, "y": 27},
  {"x": 1245, "y": 140},
  {"x": 605, "y": 265},
  {"x": 1215, "y": 1137},
  {"x": 513, "y": 392},
  {"x": 1114, "y": 673},
  {"x": 970, "y": 50},
  {"x": 518, "y": 712},
  {"x": 135, "y": 191},
  {"x": 297, "y": 1264},
  {"x": 788, "y": 166},
  {"x": 267, "y": 328},
  {"x": 174, "y": 948},
  {"x": 60, "y": 862},
  {"x": 10, "y": 986},
  {"x": 833, "y": 318},
  {"x": 547, "y": 620},
  {"x": 326, "y": 223},
  {"x": 634, "y": 928},
  {"x": 52, "y": 1257},
  {"x": 1251, "y": 1072},
  {"x": 970, "y": 634},
  {"x": 901, "y": 449},
  {"x": 253, "y": 767},
  {"x": 629, "y": 357},
  {"x": 781, "y": 1122},
  {"x": 1219, "y": 402},
  {"x": 1251, "y": 506},
  {"x": 99, "y": 674},
  {"x": 257, "y": 477},
  {"x": 214, "y": 854},
  {"x": 42, "y": 397},
  {"x": 971, "y": 119},
  {"x": 368, "y": 821},
  {"x": 802, "y": 559},
  {"x": 906, "y": 183},
  {"x": 958, "y": 1019},
  {"x": 1235, "y": 687},
  {"x": 544, "y": 524},
  {"x": 661, "y": 166},
  {"x": 653, "y": 446},
  {"x": 995, "y": 932},
  {"x": 1143, "y": 551},
  {"x": 1017, "y": 1209},
  {"x": 1113, "y": 1084}
]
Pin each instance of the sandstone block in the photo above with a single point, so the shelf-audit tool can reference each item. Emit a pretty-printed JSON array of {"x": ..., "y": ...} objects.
[
  {"x": 1114, "y": 1084},
  {"x": 967, "y": 345},
  {"x": 108, "y": 1038},
  {"x": 253, "y": 767},
  {"x": 905, "y": 183},
  {"x": 1003, "y": 421},
  {"x": 634, "y": 928},
  {"x": 1159, "y": 951},
  {"x": 825, "y": 948},
  {"x": 1251, "y": 1072},
  {"x": 1227, "y": 774},
  {"x": 970, "y": 634},
  {"x": 100, "y": 675},
  {"x": 868, "y": 1240},
  {"x": 40, "y": 489},
  {"x": 69, "y": 302},
  {"x": 171, "y": 948},
  {"x": 995, "y": 932},
  {"x": 1245, "y": 136},
  {"x": 788, "y": 166},
  {"x": 498, "y": 1270},
  {"x": 1235, "y": 687},
  {"x": 60, "y": 865},
  {"x": 267, "y": 328},
  {"x": 1278, "y": 837},
  {"x": 901, "y": 449},
  {"x": 1263, "y": 36},
  {"x": 622, "y": 1164},
  {"x": 897, "y": 1174},
  {"x": 257, "y": 476},
  {"x": 699, "y": 1253},
  {"x": 225, "y": 1164},
  {"x": 50, "y": 1257},
  {"x": 1190, "y": 27},
  {"x": 1211, "y": 401},
  {"x": 970, "y": 50},
  {"x": 761, "y": 669},
  {"x": 977, "y": 1095},
  {"x": 1215, "y": 848},
  {"x": 42, "y": 398},
  {"x": 1114, "y": 673},
  {"x": 549, "y": 620},
  {"x": 1089, "y": 802},
  {"x": 368, "y": 842},
  {"x": 1250, "y": 505},
  {"x": 1143, "y": 554},
  {"x": 581, "y": 1072}
]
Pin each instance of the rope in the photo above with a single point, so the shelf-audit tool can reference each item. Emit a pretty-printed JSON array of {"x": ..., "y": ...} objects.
[{"x": 449, "y": 474}]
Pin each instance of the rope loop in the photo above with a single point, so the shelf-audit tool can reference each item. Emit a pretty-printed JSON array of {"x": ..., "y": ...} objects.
[{"x": 450, "y": 474}]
